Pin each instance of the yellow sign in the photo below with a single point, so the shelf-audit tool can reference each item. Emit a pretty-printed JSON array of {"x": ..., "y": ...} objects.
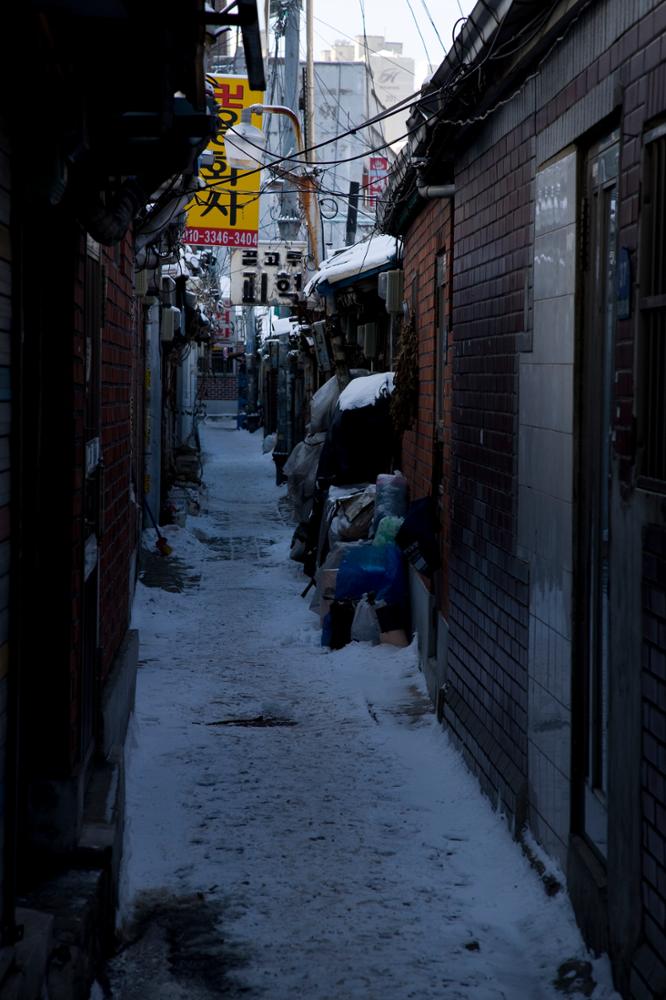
[{"x": 226, "y": 212}]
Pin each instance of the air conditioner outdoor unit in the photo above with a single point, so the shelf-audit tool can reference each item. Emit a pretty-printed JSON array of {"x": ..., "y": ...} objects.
[
  {"x": 394, "y": 290},
  {"x": 170, "y": 322}
]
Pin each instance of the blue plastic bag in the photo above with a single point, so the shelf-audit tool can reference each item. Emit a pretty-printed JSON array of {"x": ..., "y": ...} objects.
[{"x": 372, "y": 569}]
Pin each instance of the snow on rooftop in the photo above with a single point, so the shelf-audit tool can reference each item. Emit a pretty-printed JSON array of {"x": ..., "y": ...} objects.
[
  {"x": 366, "y": 390},
  {"x": 376, "y": 251}
]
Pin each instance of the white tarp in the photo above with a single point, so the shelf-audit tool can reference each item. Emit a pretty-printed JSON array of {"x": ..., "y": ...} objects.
[{"x": 366, "y": 391}]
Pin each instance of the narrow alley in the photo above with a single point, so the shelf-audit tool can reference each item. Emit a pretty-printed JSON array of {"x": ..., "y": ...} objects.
[{"x": 298, "y": 823}]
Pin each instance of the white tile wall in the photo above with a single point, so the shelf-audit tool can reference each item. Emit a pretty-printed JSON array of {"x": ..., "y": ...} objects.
[
  {"x": 545, "y": 512},
  {"x": 555, "y": 197}
]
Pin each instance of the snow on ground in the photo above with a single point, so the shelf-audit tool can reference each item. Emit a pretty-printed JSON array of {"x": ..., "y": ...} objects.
[{"x": 349, "y": 853}]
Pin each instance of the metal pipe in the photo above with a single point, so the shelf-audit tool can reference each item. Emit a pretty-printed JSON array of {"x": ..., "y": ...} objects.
[
  {"x": 429, "y": 191},
  {"x": 281, "y": 109}
]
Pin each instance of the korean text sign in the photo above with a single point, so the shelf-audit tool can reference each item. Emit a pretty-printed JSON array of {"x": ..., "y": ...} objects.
[
  {"x": 271, "y": 274},
  {"x": 226, "y": 212}
]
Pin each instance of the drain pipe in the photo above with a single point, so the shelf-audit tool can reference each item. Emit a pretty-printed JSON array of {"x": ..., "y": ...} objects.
[{"x": 430, "y": 191}]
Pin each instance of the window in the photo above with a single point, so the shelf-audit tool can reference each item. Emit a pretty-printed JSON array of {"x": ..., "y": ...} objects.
[{"x": 652, "y": 344}]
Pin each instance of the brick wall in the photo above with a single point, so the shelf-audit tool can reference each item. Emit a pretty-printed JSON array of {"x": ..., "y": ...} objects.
[
  {"x": 487, "y": 583},
  {"x": 5, "y": 404},
  {"x": 121, "y": 376},
  {"x": 424, "y": 467},
  {"x": 121, "y": 432},
  {"x": 218, "y": 387},
  {"x": 653, "y": 778}
]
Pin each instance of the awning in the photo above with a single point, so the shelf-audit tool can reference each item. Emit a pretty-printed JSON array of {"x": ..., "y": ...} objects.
[{"x": 377, "y": 253}]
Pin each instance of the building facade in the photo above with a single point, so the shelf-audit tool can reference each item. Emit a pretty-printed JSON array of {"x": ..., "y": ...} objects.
[
  {"x": 73, "y": 324},
  {"x": 536, "y": 295}
]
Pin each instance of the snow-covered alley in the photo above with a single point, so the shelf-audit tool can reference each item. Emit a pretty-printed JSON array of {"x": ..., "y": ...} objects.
[{"x": 342, "y": 851}]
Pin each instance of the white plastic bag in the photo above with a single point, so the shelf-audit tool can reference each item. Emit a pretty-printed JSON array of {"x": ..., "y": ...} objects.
[{"x": 365, "y": 627}]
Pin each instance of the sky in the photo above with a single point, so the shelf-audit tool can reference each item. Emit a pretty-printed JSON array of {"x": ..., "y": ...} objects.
[{"x": 392, "y": 18}]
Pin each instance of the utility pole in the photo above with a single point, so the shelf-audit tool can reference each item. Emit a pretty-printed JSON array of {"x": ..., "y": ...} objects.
[
  {"x": 309, "y": 81},
  {"x": 289, "y": 222}
]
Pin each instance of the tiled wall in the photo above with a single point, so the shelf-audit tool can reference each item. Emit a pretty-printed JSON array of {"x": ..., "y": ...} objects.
[
  {"x": 486, "y": 701},
  {"x": 545, "y": 512}
]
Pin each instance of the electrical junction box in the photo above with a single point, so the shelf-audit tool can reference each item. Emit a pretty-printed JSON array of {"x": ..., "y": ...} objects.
[{"x": 170, "y": 323}]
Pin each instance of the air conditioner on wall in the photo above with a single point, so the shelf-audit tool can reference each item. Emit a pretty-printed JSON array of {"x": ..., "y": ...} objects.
[{"x": 170, "y": 322}]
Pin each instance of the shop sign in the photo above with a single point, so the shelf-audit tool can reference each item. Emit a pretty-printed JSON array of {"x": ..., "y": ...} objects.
[
  {"x": 270, "y": 275},
  {"x": 375, "y": 179},
  {"x": 226, "y": 212}
]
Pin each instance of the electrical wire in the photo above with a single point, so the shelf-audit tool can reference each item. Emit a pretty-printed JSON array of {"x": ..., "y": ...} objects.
[
  {"x": 368, "y": 65},
  {"x": 418, "y": 28},
  {"x": 434, "y": 26}
]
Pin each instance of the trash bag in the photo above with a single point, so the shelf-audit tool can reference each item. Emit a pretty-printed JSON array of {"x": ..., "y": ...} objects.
[
  {"x": 387, "y": 529},
  {"x": 298, "y": 546},
  {"x": 322, "y": 405},
  {"x": 360, "y": 444},
  {"x": 365, "y": 625},
  {"x": 391, "y": 498},
  {"x": 417, "y": 536},
  {"x": 372, "y": 568},
  {"x": 353, "y": 516},
  {"x": 300, "y": 470},
  {"x": 269, "y": 443},
  {"x": 324, "y": 402}
]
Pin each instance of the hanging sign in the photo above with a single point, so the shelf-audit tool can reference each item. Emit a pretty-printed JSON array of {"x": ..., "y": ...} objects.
[
  {"x": 375, "y": 177},
  {"x": 271, "y": 275},
  {"x": 226, "y": 212}
]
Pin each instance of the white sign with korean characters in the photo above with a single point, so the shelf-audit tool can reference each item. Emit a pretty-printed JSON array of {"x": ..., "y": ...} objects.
[{"x": 270, "y": 274}]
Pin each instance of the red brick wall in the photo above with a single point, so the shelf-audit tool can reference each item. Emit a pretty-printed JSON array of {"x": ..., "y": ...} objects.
[
  {"x": 429, "y": 235},
  {"x": 121, "y": 408},
  {"x": 218, "y": 387},
  {"x": 121, "y": 361}
]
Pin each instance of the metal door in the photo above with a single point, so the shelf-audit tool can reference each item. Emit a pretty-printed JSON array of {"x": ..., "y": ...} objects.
[{"x": 600, "y": 209}]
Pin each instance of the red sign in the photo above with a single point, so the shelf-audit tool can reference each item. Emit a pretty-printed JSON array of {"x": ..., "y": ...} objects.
[{"x": 375, "y": 179}]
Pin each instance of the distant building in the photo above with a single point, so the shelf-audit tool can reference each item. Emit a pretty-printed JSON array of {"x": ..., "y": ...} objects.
[
  {"x": 348, "y": 91},
  {"x": 389, "y": 80}
]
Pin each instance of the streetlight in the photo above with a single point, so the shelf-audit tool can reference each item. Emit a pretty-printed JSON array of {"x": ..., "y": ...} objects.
[{"x": 245, "y": 145}]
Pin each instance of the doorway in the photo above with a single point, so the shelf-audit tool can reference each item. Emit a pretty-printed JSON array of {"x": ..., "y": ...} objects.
[{"x": 599, "y": 226}]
